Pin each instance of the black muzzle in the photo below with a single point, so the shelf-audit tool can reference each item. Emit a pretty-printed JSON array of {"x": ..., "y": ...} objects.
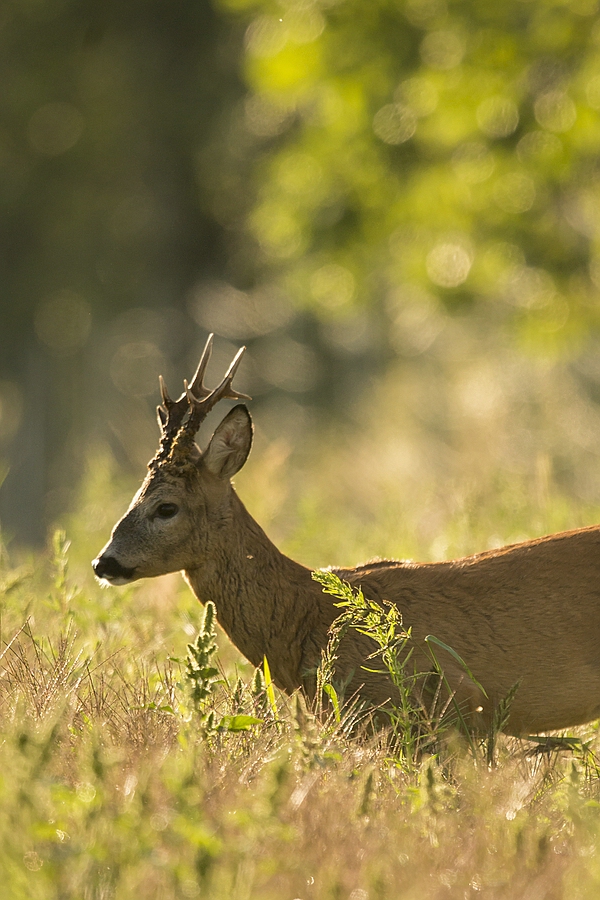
[{"x": 108, "y": 567}]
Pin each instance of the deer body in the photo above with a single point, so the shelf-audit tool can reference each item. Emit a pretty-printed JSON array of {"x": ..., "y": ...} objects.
[
  {"x": 528, "y": 613},
  {"x": 514, "y": 614}
]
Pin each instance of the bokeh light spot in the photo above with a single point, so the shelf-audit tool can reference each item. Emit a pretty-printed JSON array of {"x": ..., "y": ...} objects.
[
  {"x": 394, "y": 123},
  {"x": 219, "y": 307},
  {"x": 265, "y": 36},
  {"x": 418, "y": 94},
  {"x": 32, "y": 861},
  {"x": 442, "y": 50},
  {"x": 479, "y": 393},
  {"x": 515, "y": 192},
  {"x": 86, "y": 792},
  {"x": 592, "y": 92},
  {"x": 350, "y": 334},
  {"x": 529, "y": 287},
  {"x": 304, "y": 24},
  {"x": 416, "y": 319},
  {"x": 421, "y": 12},
  {"x": 555, "y": 111},
  {"x": 263, "y": 117},
  {"x": 333, "y": 286},
  {"x": 63, "y": 322},
  {"x": 449, "y": 264},
  {"x": 54, "y": 128},
  {"x": 289, "y": 365},
  {"x": 497, "y": 117},
  {"x": 300, "y": 174},
  {"x": 473, "y": 162},
  {"x": 277, "y": 230},
  {"x": 539, "y": 145},
  {"x": 135, "y": 368}
]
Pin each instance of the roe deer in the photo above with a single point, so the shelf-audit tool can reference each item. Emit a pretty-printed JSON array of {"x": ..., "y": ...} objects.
[{"x": 527, "y": 613}]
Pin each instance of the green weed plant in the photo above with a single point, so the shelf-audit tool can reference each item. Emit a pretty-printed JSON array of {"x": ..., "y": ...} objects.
[{"x": 131, "y": 765}]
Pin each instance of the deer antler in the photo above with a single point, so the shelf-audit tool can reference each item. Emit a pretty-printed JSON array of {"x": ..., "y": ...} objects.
[
  {"x": 172, "y": 413},
  {"x": 201, "y": 406},
  {"x": 196, "y": 399}
]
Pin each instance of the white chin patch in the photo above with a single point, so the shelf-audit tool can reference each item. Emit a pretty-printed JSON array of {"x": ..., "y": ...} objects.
[{"x": 114, "y": 581}]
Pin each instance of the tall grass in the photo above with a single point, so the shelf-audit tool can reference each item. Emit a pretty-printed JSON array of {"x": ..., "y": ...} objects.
[
  {"x": 128, "y": 769},
  {"x": 136, "y": 760}
]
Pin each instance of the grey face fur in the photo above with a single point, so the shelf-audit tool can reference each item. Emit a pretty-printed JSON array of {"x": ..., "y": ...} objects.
[{"x": 169, "y": 524}]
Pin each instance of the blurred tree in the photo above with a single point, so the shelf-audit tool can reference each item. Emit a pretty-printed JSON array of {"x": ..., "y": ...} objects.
[
  {"x": 104, "y": 109},
  {"x": 389, "y": 169},
  {"x": 428, "y": 188},
  {"x": 424, "y": 154}
]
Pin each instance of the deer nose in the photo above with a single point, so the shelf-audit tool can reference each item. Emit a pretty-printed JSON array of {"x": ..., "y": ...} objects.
[{"x": 109, "y": 568}]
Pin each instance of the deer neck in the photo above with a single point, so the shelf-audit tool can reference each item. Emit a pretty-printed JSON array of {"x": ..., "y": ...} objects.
[{"x": 266, "y": 603}]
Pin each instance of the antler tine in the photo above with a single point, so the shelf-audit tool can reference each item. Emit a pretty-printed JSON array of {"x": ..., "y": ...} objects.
[
  {"x": 167, "y": 402},
  {"x": 198, "y": 400},
  {"x": 173, "y": 412},
  {"x": 235, "y": 364},
  {"x": 200, "y": 408},
  {"x": 196, "y": 385}
]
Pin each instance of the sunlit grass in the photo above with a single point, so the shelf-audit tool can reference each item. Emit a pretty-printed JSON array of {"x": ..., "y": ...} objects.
[{"x": 116, "y": 780}]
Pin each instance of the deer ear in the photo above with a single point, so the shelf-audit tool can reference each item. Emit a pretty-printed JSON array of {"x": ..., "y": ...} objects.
[{"x": 230, "y": 444}]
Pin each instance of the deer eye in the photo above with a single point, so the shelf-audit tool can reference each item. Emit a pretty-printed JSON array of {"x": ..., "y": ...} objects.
[{"x": 166, "y": 510}]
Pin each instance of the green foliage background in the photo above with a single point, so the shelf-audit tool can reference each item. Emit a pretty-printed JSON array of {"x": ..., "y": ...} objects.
[
  {"x": 394, "y": 203},
  {"x": 424, "y": 146},
  {"x": 405, "y": 191}
]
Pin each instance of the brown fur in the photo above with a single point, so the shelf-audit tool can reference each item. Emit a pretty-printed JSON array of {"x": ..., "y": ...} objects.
[{"x": 527, "y": 613}]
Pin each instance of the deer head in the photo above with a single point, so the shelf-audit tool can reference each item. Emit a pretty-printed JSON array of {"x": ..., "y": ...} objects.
[{"x": 185, "y": 498}]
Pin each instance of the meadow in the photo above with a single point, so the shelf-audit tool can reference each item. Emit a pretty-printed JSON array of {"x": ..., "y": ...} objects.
[
  {"x": 395, "y": 206},
  {"x": 132, "y": 765}
]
